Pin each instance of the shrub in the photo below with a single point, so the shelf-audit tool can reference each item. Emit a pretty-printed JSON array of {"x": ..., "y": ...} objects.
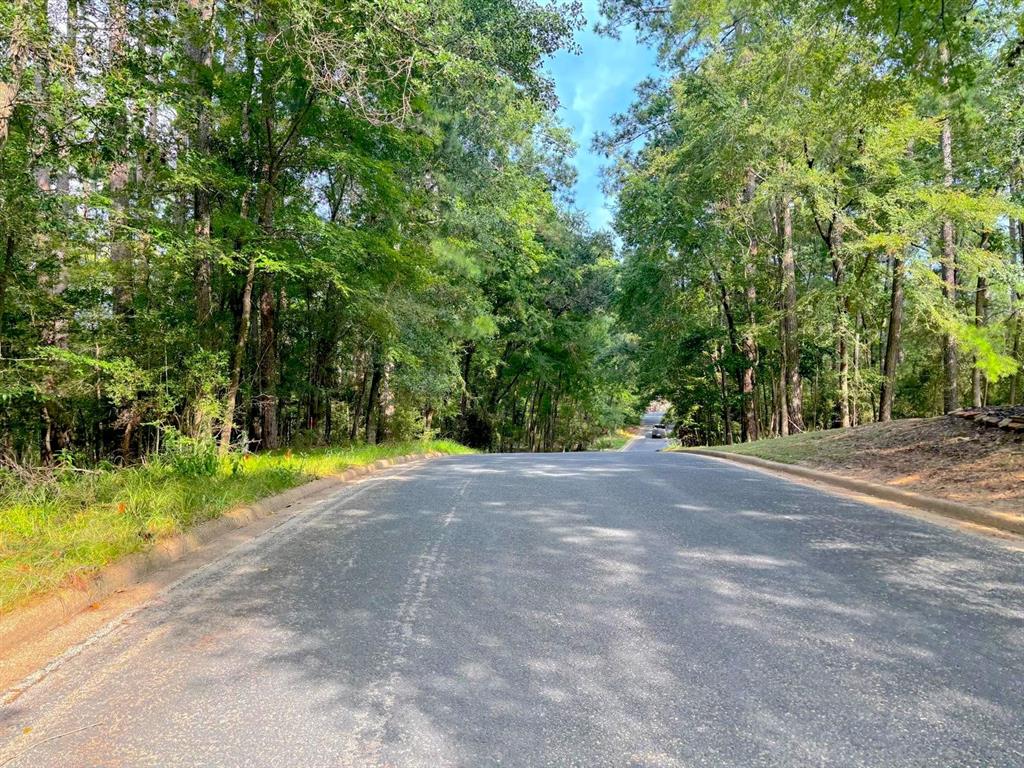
[{"x": 189, "y": 457}]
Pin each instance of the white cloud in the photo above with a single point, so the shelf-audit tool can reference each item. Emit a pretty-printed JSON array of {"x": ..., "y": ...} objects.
[{"x": 592, "y": 87}]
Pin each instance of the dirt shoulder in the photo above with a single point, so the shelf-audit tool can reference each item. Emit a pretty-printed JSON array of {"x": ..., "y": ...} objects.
[
  {"x": 39, "y": 634},
  {"x": 943, "y": 457}
]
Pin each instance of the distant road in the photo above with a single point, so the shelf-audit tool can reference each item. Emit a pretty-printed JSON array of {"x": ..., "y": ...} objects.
[
  {"x": 643, "y": 443},
  {"x": 590, "y": 609}
]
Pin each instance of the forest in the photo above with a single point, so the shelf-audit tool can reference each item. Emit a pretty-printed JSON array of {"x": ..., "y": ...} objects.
[
  {"x": 294, "y": 223},
  {"x": 820, "y": 209},
  {"x": 256, "y": 224}
]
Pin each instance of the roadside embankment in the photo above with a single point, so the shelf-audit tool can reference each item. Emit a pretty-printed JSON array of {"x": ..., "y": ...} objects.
[
  {"x": 944, "y": 464},
  {"x": 615, "y": 441},
  {"x": 57, "y": 530}
]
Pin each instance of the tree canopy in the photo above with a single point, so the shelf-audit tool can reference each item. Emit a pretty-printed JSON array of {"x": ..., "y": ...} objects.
[
  {"x": 820, "y": 210},
  {"x": 262, "y": 223},
  {"x": 303, "y": 220}
]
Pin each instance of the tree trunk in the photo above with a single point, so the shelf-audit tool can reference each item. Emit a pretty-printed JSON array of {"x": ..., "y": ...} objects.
[
  {"x": 200, "y": 50},
  {"x": 385, "y": 403},
  {"x": 1016, "y": 243},
  {"x": 468, "y": 350},
  {"x": 842, "y": 323},
  {"x": 357, "y": 405},
  {"x": 531, "y": 424},
  {"x": 980, "y": 319},
  {"x": 266, "y": 401},
  {"x": 237, "y": 358},
  {"x": 1015, "y": 379},
  {"x": 892, "y": 341},
  {"x": 951, "y": 393},
  {"x": 120, "y": 172},
  {"x": 120, "y": 248},
  {"x": 373, "y": 402},
  {"x": 766, "y": 401},
  {"x": 730, "y": 324},
  {"x": 783, "y": 414},
  {"x": 328, "y": 420},
  {"x": 748, "y": 381},
  {"x": 854, "y": 395},
  {"x": 794, "y": 395},
  {"x": 723, "y": 389},
  {"x": 46, "y": 447},
  {"x": 552, "y": 431},
  {"x": 428, "y": 421}
]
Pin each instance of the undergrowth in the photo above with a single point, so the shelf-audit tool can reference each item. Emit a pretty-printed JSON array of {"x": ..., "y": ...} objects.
[
  {"x": 611, "y": 442},
  {"x": 60, "y": 527}
]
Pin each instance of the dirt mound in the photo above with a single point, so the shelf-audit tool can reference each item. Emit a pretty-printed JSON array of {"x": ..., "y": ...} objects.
[
  {"x": 951, "y": 457},
  {"x": 947, "y": 457}
]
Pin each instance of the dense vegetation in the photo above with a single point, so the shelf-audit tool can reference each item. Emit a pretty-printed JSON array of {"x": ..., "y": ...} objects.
[
  {"x": 821, "y": 210},
  {"x": 297, "y": 222},
  {"x": 313, "y": 222}
]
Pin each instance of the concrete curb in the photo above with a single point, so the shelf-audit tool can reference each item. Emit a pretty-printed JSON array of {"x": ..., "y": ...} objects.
[
  {"x": 999, "y": 520},
  {"x": 48, "y": 613}
]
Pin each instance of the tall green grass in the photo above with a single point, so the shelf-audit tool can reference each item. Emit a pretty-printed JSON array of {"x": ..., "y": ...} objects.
[
  {"x": 611, "y": 442},
  {"x": 61, "y": 528},
  {"x": 794, "y": 449}
]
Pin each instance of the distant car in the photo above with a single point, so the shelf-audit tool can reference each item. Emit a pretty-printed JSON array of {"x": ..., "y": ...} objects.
[{"x": 659, "y": 432}]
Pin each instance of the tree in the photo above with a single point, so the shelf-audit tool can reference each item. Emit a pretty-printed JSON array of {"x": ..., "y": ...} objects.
[
  {"x": 284, "y": 223},
  {"x": 800, "y": 159}
]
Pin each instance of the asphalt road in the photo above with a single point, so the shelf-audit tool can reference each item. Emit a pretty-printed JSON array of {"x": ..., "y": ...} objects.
[
  {"x": 643, "y": 443},
  {"x": 606, "y": 609}
]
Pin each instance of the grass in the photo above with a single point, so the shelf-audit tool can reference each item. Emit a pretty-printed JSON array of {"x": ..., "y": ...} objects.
[
  {"x": 61, "y": 529},
  {"x": 793, "y": 449},
  {"x": 612, "y": 442}
]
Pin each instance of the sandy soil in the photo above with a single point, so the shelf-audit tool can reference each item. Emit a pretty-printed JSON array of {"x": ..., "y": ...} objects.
[{"x": 946, "y": 457}]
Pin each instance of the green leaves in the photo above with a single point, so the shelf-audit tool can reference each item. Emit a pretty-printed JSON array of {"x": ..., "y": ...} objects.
[
  {"x": 282, "y": 219},
  {"x": 837, "y": 110}
]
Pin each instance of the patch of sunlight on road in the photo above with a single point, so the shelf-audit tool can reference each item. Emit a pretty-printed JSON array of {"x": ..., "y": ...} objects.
[
  {"x": 692, "y": 508},
  {"x": 732, "y": 558}
]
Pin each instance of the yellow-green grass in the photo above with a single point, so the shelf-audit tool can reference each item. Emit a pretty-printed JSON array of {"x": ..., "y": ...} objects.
[
  {"x": 794, "y": 449},
  {"x": 612, "y": 442},
  {"x": 62, "y": 529}
]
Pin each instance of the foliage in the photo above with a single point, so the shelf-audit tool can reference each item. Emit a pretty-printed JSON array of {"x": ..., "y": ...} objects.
[
  {"x": 189, "y": 456},
  {"x": 310, "y": 221},
  {"x": 612, "y": 442},
  {"x": 820, "y": 211}
]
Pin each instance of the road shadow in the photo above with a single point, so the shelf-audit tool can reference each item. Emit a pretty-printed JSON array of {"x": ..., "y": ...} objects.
[{"x": 599, "y": 609}]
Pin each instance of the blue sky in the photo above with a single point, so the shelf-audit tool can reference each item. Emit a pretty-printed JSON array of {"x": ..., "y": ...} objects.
[{"x": 592, "y": 86}]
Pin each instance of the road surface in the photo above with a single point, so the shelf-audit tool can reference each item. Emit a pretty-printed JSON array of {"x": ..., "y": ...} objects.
[
  {"x": 642, "y": 443},
  {"x": 603, "y": 609}
]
